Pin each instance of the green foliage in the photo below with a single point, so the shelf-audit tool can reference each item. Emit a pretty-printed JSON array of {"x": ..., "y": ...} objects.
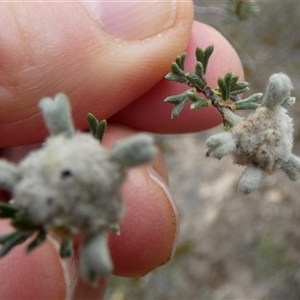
[
  {"x": 198, "y": 102},
  {"x": 66, "y": 249},
  {"x": 97, "y": 128},
  {"x": 11, "y": 240},
  {"x": 248, "y": 103},
  {"x": 221, "y": 97},
  {"x": 203, "y": 56},
  {"x": 40, "y": 238},
  {"x": 115, "y": 228},
  {"x": 24, "y": 229},
  {"x": 180, "y": 101}
]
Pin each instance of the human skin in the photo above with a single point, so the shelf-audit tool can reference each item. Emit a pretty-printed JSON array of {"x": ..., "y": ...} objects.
[{"x": 59, "y": 47}]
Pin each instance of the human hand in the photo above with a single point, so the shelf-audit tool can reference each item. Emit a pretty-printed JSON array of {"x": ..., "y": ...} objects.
[{"x": 59, "y": 47}]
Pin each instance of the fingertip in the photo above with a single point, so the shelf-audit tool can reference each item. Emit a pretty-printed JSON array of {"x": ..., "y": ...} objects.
[
  {"x": 149, "y": 230},
  {"x": 37, "y": 275},
  {"x": 151, "y": 113},
  {"x": 60, "y": 48},
  {"x": 42, "y": 274}
]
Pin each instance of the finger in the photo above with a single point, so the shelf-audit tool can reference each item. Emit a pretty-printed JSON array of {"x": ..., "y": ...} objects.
[
  {"x": 148, "y": 239},
  {"x": 34, "y": 276},
  {"x": 51, "y": 47},
  {"x": 149, "y": 112},
  {"x": 149, "y": 230},
  {"x": 41, "y": 274}
]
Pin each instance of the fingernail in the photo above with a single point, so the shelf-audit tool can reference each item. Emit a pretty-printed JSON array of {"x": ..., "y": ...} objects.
[
  {"x": 160, "y": 182},
  {"x": 133, "y": 20}
]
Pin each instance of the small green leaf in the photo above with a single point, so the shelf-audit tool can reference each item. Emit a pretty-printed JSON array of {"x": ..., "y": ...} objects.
[
  {"x": 101, "y": 130},
  {"x": 176, "y": 69},
  {"x": 223, "y": 89},
  {"x": 235, "y": 98},
  {"x": 228, "y": 79},
  {"x": 240, "y": 86},
  {"x": 66, "y": 248},
  {"x": 248, "y": 103},
  {"x": 174, "y": 77},
  {"x": 7, "y": 210},
  {"x": 199, "y": 55},
  {"x": 194, "y": 97},
  {"x": 93, "y": 123},
  {"x": 178, "y": 109},
  {"x": 195, "y": 80},
  {"x": 173, "y": 99},
  {"x": 40, "y": 238},
  {"x": 234, "y": 80},
  {"x": 177, "y": 73},
  {"x": 6, "y": 237},
  {"x": 23, "y": 222},
  {"x": 199, "y": 104},
  {"x": 252, "y": 98},
  {"x": 207, "y": 154},
  {"x": 236, "y": 92},
  {"x": 97, "y": 128},
  {"x": 207, "y": 53},
  {"x": 178, "y": 98},
  {"x": 245, "y": 105},
  {"x": 180, "y": 61},
  {"x": 16, "y": 239},
  {"x": 115, "y": 228},
  {"x": 179, "y": 101},
  {"x": 199, "y": 70}
]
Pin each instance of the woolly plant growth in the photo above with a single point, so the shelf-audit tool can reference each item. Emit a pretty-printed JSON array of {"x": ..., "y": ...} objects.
[
  {"x": 70, "y": 186},
  {"x": 262, "y": 142}
]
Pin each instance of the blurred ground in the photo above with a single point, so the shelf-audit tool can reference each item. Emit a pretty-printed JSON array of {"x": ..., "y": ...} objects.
[{"x": 233, "y": 246}]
